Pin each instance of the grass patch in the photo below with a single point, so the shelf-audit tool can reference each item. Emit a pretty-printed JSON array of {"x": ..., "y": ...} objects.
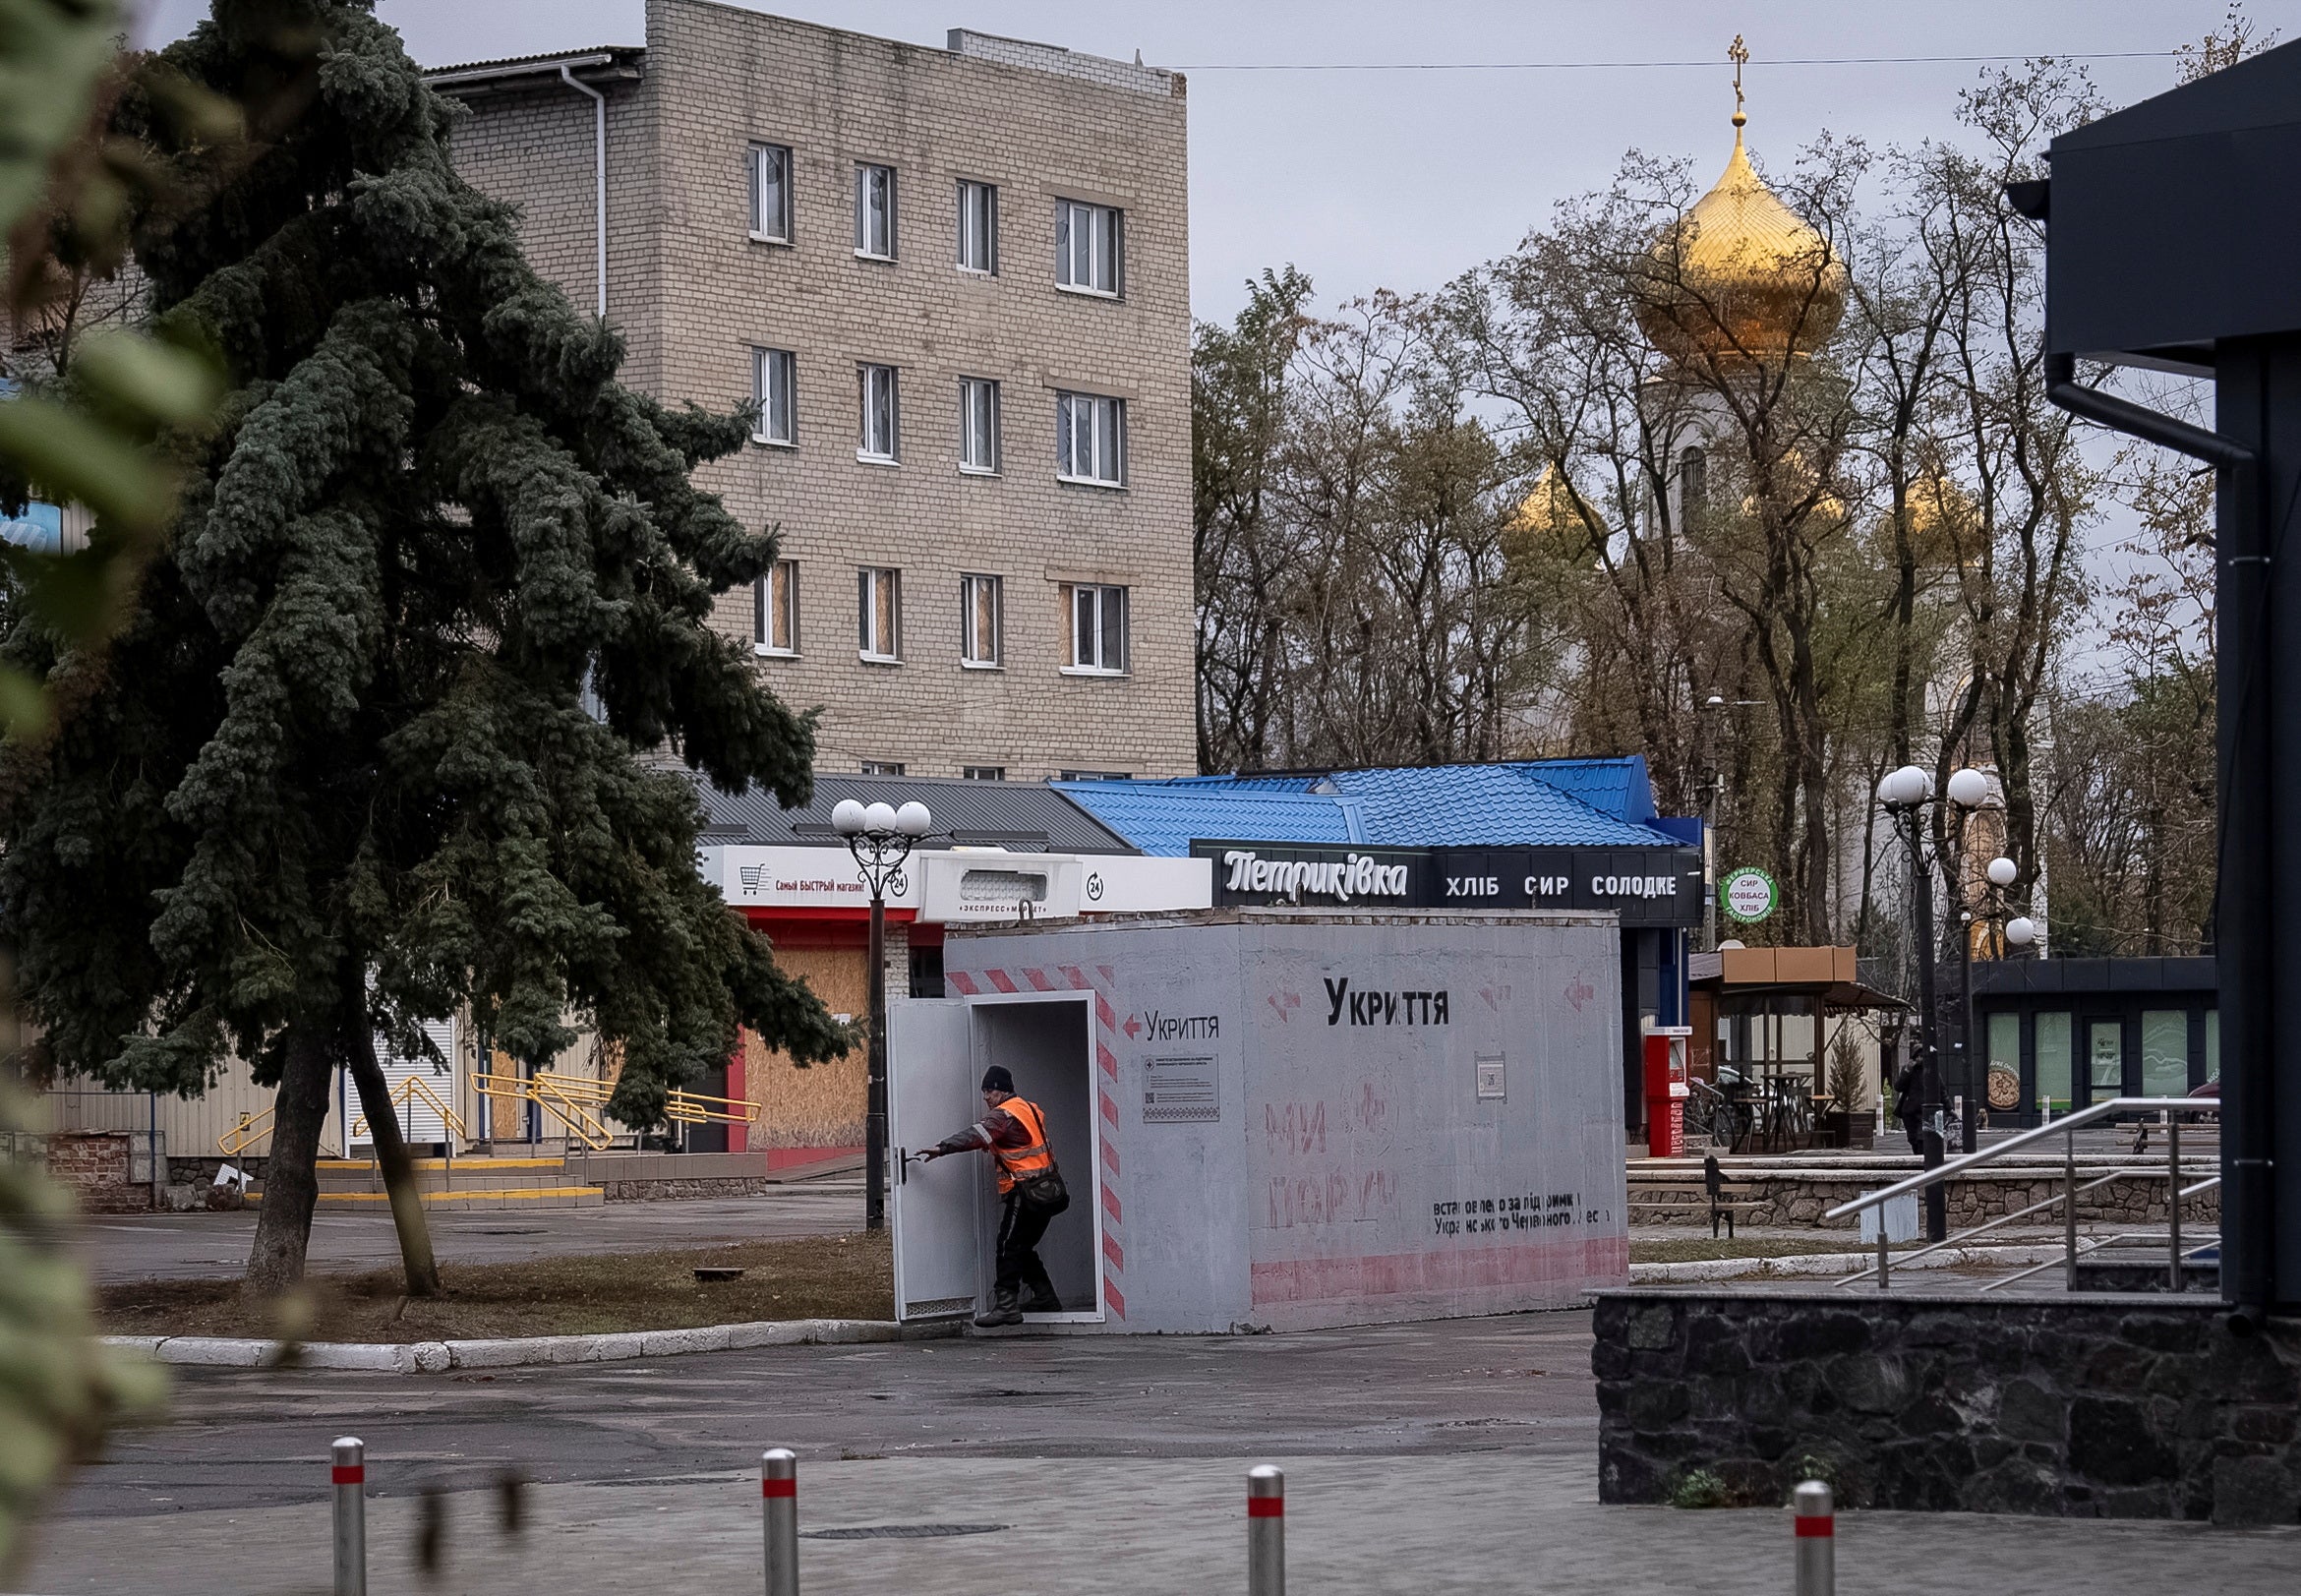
[
  {"x": 818, "y": 1277},
  {"x": 1698, "y": 1487}
]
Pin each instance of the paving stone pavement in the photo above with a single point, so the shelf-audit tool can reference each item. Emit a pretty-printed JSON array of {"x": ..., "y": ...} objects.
[
  {"x": 1510, "y": 1520},
  {"x": 1457, "y": 1457}
]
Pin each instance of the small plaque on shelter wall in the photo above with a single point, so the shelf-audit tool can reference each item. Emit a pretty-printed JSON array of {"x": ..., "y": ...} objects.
[
  {"x": 1491, "y": 1083},
  {"x": 1181, "y": 1090}
]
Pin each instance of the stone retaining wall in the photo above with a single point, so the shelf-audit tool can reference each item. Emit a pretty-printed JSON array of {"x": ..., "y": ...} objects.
[
  {"x": 1802, "y": 1198},
  {"x": 2077, "y": 1407}
]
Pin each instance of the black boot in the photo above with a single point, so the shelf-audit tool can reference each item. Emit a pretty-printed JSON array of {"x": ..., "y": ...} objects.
[
  {"x": 1002, "y": 1310},
  {"x": 1043, "y": 1300}
]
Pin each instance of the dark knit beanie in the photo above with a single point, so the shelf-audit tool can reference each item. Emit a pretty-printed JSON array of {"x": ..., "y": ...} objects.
[{"x": 996, "y": 1079}]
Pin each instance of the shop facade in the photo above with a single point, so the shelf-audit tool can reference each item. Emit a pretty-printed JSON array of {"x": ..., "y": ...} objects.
[
  {"x": 2060, "y": 1034},
  {"x": 1572, "y": 835}
]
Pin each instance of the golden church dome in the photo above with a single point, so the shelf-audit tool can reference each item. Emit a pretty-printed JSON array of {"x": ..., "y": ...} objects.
[
  {"x": 1741, "y": 277},
  {"x": 1944, "y": 523},
  {"x": 1548, "y": 519}
]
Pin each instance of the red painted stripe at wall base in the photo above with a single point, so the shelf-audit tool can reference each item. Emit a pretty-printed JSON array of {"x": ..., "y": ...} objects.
[{"x": 1395, "y": 1274}]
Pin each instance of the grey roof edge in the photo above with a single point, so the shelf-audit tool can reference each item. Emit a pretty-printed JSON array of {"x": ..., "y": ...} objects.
[{"x": 1022, "y": 817}]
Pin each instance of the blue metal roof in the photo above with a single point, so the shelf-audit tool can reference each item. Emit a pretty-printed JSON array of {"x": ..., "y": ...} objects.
[
  {"x": 1166, "y": 818},
  {"x": 1619, "y": 788},
  {"x": 1514, "y": 804}
]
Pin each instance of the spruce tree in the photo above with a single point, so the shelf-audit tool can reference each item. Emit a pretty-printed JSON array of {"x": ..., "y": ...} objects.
[{"x": 338, "y": 774}]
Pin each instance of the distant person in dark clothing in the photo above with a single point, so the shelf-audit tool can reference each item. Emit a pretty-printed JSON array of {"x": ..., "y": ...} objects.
[
  {"x": 1908, "y": 1088},
  {"x": 1030, "y": 1195}
]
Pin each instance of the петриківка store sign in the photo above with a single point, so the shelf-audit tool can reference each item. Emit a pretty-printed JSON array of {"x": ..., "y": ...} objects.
[{"x": 1645, "y": 886}]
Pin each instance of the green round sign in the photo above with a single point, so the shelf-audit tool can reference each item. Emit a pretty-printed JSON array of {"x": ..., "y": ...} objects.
[{"x": 1747, "y": 894}]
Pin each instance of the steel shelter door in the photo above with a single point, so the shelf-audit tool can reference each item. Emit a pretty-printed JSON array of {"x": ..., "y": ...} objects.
[{"x": 930, "y": 1092}]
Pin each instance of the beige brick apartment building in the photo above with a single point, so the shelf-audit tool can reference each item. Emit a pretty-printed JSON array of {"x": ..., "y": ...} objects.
[{"x": 956, "y": 282}]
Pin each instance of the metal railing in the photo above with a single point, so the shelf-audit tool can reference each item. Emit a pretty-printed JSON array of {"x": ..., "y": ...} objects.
[
  {"x": 2171, "y": 1110},
  {"x": 404, "y": 1095},
  {"x": 579, "y": 1103},
  {"x": 252, "y": 1128}
]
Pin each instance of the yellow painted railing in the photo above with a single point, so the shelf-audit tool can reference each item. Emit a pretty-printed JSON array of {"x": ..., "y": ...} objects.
[
  {"x": 568, "y": 1099},
  {"x": 249, "y": 1130},
  {"x": 578, "y": 1103},
  {"x": 404, "y": 1095}
]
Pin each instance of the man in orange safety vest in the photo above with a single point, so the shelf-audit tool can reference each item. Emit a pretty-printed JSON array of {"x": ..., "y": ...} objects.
[{"x": 1030, "y": 1195}]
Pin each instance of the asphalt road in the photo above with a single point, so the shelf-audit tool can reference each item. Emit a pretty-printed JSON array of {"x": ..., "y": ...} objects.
[
  {"x": 214, "y": 1246},
  {"x": 1440, "y": 1460}
]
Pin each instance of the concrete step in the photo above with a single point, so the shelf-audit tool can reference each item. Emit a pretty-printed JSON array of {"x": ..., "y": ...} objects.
[{"x": 444, "y": 1175}]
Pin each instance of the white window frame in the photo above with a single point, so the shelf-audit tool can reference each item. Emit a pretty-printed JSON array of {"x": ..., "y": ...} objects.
[
  {"x": 765, "y": 229},
  {"x": 971, "y": 190},
  {"x": 766, "y": 365},
  {"x": 983, "y": 773},
  {"x": 867, "y": 445},
  {"x": 776, "y": 595},
  {"x": 970, "y": 589},
  {"x": 1099, "y": 472},
  {"x": 1103, "y": 595},
  {"x": 868, "y": 579},
  {"x": 867, "y": 239},
  {"x": 879, "y": 767},
  {"x": 1104, "y": 236},
  {"x": 979, "y": 399}
]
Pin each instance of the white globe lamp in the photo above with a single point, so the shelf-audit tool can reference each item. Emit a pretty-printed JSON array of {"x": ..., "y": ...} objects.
[
  {"x": 2020, "y": 931},
  {"x": 1968, "y": 789},
  {"x": 847, "y": 817},
  {"x": 914, "y": 820},
  {"x": 879, "y": 818},
  {"x": 2002, "y": 872}
]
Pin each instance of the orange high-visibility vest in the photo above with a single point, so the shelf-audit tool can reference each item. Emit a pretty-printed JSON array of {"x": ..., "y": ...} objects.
[{"x": 1021, "y": 1163}]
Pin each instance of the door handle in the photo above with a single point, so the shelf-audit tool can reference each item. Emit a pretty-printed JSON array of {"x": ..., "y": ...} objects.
[{"x": 902, "y": 1167}]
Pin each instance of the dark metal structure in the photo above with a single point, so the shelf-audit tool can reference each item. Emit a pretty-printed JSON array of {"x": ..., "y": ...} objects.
[{"x": 2172, "y": 228}]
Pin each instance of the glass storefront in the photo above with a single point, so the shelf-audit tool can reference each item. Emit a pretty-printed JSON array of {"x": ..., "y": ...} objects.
[
  {"x": 2053, "y": 1061},
  {"x": 2164, "y": 1041}
]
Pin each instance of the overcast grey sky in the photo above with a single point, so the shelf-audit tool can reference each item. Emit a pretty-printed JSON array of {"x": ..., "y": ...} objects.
[{"x": 1400, "y": 179}]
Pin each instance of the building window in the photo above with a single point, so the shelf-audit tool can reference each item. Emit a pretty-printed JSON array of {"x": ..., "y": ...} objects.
[
  {"x": 1693, "y": 482},
  {"x": 2164, "y": 1040},
  {"x": 882, "y": 415},
  {"x": 879, "y": 610},
  {"x": 1089, "y": 241},
  {"x": 875, "y": 211},
  {"x": 1092, "y": 775},
  {"x": 775, "y": 613},
  {"x": 1098, "y": 627},
  {"x": 2052, "y": 1041},
  {"x": 984, "y": 773},
  {"x": 882, "y": 767},
  {"x": 979, "y": 227},
  {"x": 981, "y": 602},
  {"x": 1091, "y": 439},
  {"x": 771, "y": 193},
  {"x": 978, "y": 426},
  {"x": 775, "y": 389}
]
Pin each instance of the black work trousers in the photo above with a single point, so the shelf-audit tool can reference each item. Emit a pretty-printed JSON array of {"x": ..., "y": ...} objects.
[{"x": 1021, "y": 1225}]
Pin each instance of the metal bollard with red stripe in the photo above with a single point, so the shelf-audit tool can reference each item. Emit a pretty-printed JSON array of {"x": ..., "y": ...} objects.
[
  {"x": 349, "y": 1473},
  {"x": 1266, "y": 1531},
  {"x": 1818, "y": 1540},
  {"x": 779, "y": 1494}
]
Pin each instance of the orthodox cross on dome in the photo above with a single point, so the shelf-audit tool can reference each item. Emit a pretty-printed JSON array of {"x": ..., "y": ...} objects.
[{"x": 1738, "y": 53}]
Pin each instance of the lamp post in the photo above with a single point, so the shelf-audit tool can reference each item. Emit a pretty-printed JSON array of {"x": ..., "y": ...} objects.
[
  {"x": 1903, "y": 794},
  {"x": 1968, "y": 790},
  {"x": 880, "y": 837},
  {"x": 1713, "y": 788}
]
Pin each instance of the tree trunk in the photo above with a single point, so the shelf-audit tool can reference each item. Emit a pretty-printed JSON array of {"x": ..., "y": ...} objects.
[
  {"x": 291, "y": 1183},
  {"x": 399, "y": 1178}
]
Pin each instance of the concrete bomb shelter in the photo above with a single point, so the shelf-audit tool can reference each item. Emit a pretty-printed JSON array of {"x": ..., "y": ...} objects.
[{"x": 1277, "y": 1118}]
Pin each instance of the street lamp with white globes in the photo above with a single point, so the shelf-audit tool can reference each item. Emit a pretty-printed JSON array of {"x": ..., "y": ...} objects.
[
  {"x": 1903, "y": 793},
  {"x": 881, "y": 836}
]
